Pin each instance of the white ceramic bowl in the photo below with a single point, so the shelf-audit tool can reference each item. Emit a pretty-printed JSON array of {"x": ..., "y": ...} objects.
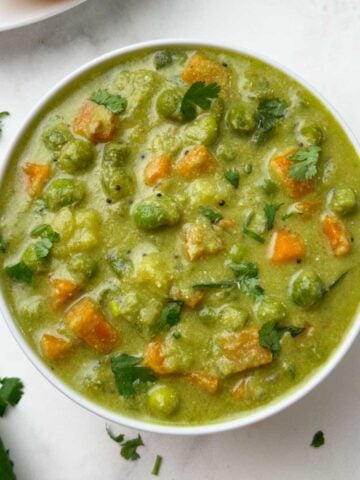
[{"x": 241, "y": 420}]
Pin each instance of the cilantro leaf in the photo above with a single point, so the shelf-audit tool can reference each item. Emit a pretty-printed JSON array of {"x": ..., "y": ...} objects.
[
  {"x": 270, "y": 210},
  {"x": 6, "y": 465},
  {"x": 170, "y": 314},
  {"x": 306, "y": 160},
  {"x": 129, "y": 448},
  {"x": 269, "y": 112},
  {"x": 114, "y": 103},
  {"x": 128, "y": 374},
  {"x": 247, "y": 277},
  {"x": 20, "y": 272},
  {"x": 117, "y": 438},
  {"x": 43, "y": 248},
  {"x": 233, "y": 177},
  {"x": 271, "y": 333},
  {"x": 157, "y": 465},
  {"x": 11, "y": 391},
  {"x": 318, "y": 439},
  {"x": 250, "y": 233},
  {"x": 211, "y": 214},
  {"x": 199, "y": 94},
  {"x": 46, "y": 231},
  {"x": 2, "y": 116}
]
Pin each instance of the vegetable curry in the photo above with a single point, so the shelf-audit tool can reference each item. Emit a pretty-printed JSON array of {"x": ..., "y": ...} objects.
[{"x": 179, "y": 235}]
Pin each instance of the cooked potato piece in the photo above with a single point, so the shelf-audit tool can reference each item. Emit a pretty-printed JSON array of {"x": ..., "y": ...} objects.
[
  {"x": 200, "y": 68},
  {"x": 244, "y": 350},
  {"x": 200, "y": 239},
  {"x": 87, "y": 322},
  {"x": 54, "y": 347},
  {"x": 95, "y": 122}
]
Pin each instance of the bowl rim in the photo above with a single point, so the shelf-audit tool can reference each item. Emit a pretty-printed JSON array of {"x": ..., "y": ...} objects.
[{"x": 242, "y": 420}]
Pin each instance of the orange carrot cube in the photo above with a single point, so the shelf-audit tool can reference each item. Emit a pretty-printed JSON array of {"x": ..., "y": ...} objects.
[
  {"x": 157, "y": 169},
  {"x": 95, "y": 122},
  {"x": 62, "y": 290},
  {"x": 209, "y": 383},
  {"x": 54, "y": 347},
  {"x": 279, "y": 166},
  {"x": 197, "y": 162},
  {"x": 336, "y": 235},
  {"x": 286, "y": 246},
  {"x": 37, "y": 175}
]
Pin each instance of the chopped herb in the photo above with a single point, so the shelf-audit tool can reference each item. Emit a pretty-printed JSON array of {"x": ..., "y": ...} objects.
[
  {"x": 318, "y": 439},
  {"x": 2, "y": 116},
  {"x": 170, "y": 314},
  {"x": 117, "y": 438},
  {"x": 269, "y": 112},
  {"x": 11, "y": 391},
  {"x": 6, "y": 465},
  {"x": 211, "y": 214},
  {"x": 247, "y": 277},
  {"x": 163, "y": 58},
  {"x": 129, "y": 448},
  {"x": 233, "y": 177},
  {"x": 157, "y": 465},
  {"x": 20, "y": 272},
  {"x": 336, "y": 281},
  {"x": 251, "y": 233},
  {"x": 306, "y": 160},
  {"x": 45, "y": 231},
  {"x": 115, "y": 103},
  {"x": 271, "y": 333},
  {"x": 40, "y": 206},
  {"x": 176, "y": 335},
  {"x": 43, "y": 248},
  {"x": 199, "y": 94},
  {"x": 270, "y": 210},
  {"x": 225, "y": 284},
  {"x": 128, "y": 374}
]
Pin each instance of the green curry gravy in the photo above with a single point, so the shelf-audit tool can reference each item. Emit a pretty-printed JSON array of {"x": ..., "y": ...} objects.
[{"x": 156, "y": 243}]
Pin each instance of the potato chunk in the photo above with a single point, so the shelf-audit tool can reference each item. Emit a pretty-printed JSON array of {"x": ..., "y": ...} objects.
[
  {"x": 197, "y": 162},
  {"x": 279, "y": 167},
  {"x": 54, "y": 347},
  {"x": 200, "y": 68},
  {"x": 200, "y": 239},
  {"x": 336, "y": 235},
  {"x": 87, "y": 322},
  {"x": 95, "y": 122},
  {"x": 244, "y": 350}
]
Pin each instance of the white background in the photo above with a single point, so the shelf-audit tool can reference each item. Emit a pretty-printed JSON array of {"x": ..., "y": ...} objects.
[{"x": 53, "y": 439}]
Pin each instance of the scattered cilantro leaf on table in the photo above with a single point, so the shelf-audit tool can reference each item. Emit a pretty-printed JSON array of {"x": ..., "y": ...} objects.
[
  {"x": 129, "y": 374},
  {"x": 199, "y": 94},
  {"x": 2, "y": 116},
  {"x": 6, "y": 465},
  {"x": 318, "y": 439},
  {"x": 11, "y": 391},
  {"x": 305, "y": 163},
  {"x": 114, "y": 103},
  {"x": 129, "y": 448},
  {"x": 157, "y": 465}
]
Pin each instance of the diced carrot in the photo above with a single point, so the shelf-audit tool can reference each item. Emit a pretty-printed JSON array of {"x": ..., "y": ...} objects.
[
  {"x": 95, "y": 122},
  {"x": 280, "y": 166},
  {"x": 209, "y": 383},
  {"x": 154, "y": 357},
  {"x": 336, "y": 235},
  {"x": 87, "y": 322},
  {"x": 244, "y": 350},
  {"x": 37, "y": 176},
  {"x": 192, "y": 298},
  {"x": 157, "y": 169},
  {"x": 200, "y": 240},
  {"x": 286, "y": 246},
  {"x": 227, "y": 223},
  {"x": 200, "y": 68},
  {"x": 62, "y": 290},
  {"x": 196, "y": 162},
  {"x": 54, "y": 347},
  {"x": 239, "y": 389}
]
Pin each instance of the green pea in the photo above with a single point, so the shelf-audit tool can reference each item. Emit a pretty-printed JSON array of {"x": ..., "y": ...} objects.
[
  {"x": 76, "y": 155},
  {"x": 268, "y": 186},
  {"x": 155, "y": 212},
  {"x": 116, "y": 154},
  {"x": 233, "y": 318},
  {"x": 306, "y": 288},
  {"x": 241, "y": 118},
  {"x": 309, "y": 135},
  {"x": 117, "y": 181},
  {"x": 163, "y": 58},
  {"x": 168, "y": 104},
  {"x": 33, "y": 261},
  {"x": 203, "y": 130},
  {"x": 270, "y": 310},
  {"x": 237, "y": 252},
  {"x": 343, "y": 201},
  {"x": 56, "y": 136},
  {"x": 63, "y": 191},
  {"x": 82, "y": 266},
  {"x": 163, "y": 400}
]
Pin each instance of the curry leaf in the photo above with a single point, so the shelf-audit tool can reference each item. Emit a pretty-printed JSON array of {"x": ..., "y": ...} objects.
[
  {"x": 305, "y": 163},
  {"x": 270, "y": 210},
  {"x": 199, "y": 94},
  {"x": 233, "y": 177},
  {"x": 20, "y": 272},
  {"x": 271, "y": 333},
  {"x": 114, "y": 103},
  {"x": 128, "y": 374},
  {"x": 170, "y": 314}
]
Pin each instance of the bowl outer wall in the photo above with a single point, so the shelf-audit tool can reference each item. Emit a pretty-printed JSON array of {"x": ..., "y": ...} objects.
[{"x": 253, "y": 416}]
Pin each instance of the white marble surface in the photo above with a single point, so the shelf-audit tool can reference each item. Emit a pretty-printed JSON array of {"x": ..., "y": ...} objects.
[{"x": 53, "y": 439}]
